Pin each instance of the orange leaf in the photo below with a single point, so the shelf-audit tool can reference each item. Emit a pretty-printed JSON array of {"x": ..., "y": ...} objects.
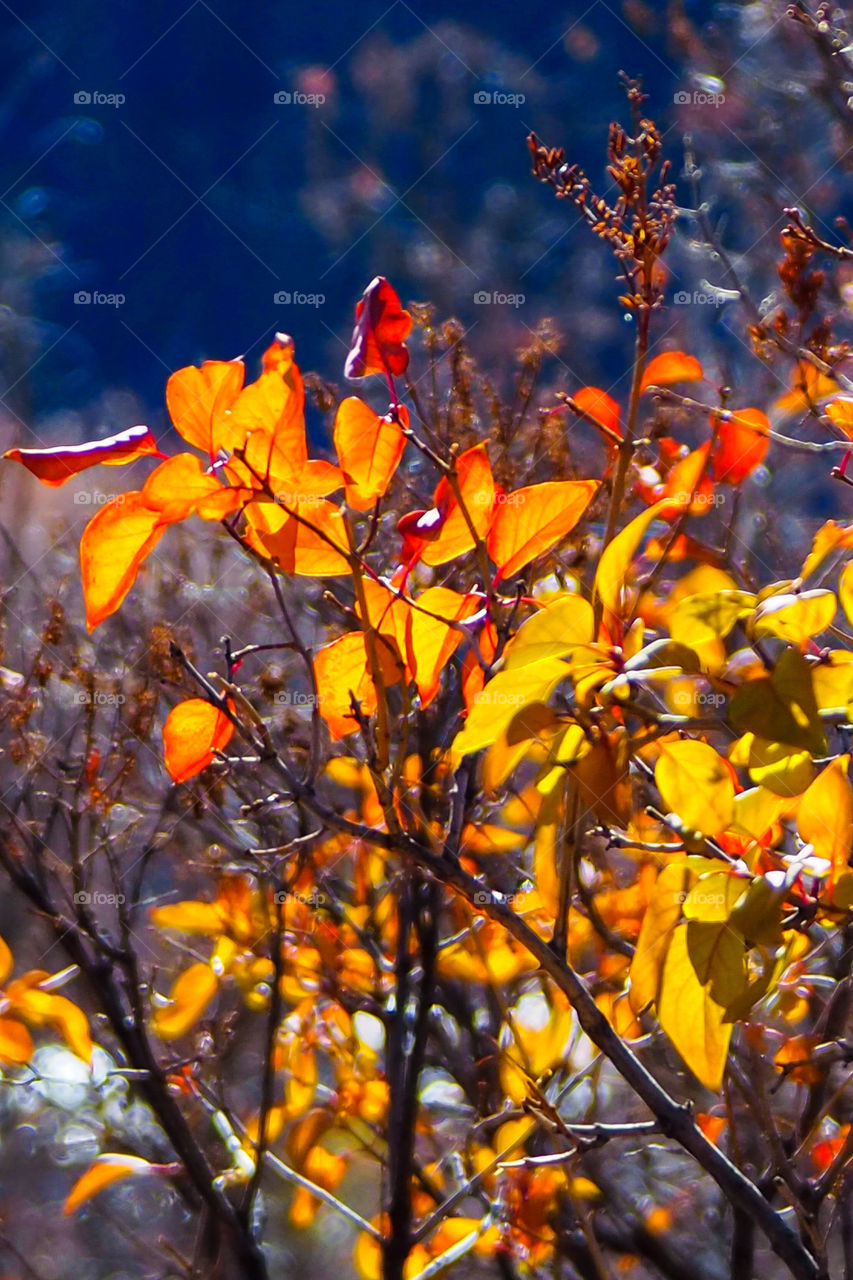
[
  {"x": 114, "y": 543},
  {"x": 180, "y": 487},
  {"x": 340, "y": 669},
  {"x": 808, "y": 387},
  {"x": 741, "y": 445},
  {"x": 5, "y": 960},
  {"x": 311, "y": 541},
  {"x": 192, "y": 993},
  {"x": 105, "y": 1169},
  {"x": 599, "y": 405},
  {"x": 532, "y": 520},
  {"x": 432, "y": 641},
  {"x": 194, "y": 731},
  {"x": 477, "y": 490},
  {"x": 197, "y": 399},
  {"x": 55, "y": 466},
  {"x": 689, "y": 485},
  {"x": 369, "y": 450},
  {"x": 379, "y": 336},
  {"x": 16, "y": 1043},
  {"x": 795, "y": 1060},
  {"x": 671, "y": 366}
]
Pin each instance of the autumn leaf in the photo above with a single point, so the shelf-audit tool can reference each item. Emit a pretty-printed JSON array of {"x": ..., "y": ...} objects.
[
  {"x": 453, "y": 533},
  {"x": 307, "y": 537},
  {"x": 56, "y": 465},
  {"x": 615, "y": 562},
  {"x": 696, "y": 784},
  {"x": 341, "y": 673},
  {"x": 432, "y": 640},
  {"x": 369, "y": 449},
  {"x": 113, "y": 546},
  {"x": 552, "y": 632},
  {"x": 191, "y": 993},
  {"x": 669, "y": 367},
  {"x": 694, "y": 1022},
  {"x": 530, "y": 521},
  {"x": 198, "y": 399},
  {"x": 379, "y": 336},
  {"x": 106, "y": 1169},
  {"x": 194, "y": 731},
  {"x": 825, "y": 814},
  {"x": 598, "y": 405},
  {"x": 741, "y": 445}
]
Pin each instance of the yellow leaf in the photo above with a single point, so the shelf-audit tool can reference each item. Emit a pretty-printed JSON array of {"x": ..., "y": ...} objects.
[
  {"x": 709, "y": 616},
  {"x": 532, "y": 727},
  {"x": 795, "y": 618},
  {"x": 191, "y": 994},
  {"x": 690, "y": 1017},
  {"x": 550, "y": 633},
  {"x": 615, "y": 562},
  {"x": 106, "y": 1169},
  {"x": 696, "y": 784},
  {"x": 662, "y": 915},
  {"x": 781, "y": 769},
  {"x": 825, "y": 814},
  {"x": 781, "y": 707},
  {"x": 432, "y": 640},
  {"x": 502, "y": 697}
]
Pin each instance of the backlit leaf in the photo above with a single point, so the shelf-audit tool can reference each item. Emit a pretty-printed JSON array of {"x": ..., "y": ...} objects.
[
  {"x": 453, "y": 536},
  {"x": 530, "y": 521},
  {"x": 741, "y": 445},
  {"x": 597, "y": 404},
  {"x": 56, "y": 465},
  {"x": 616, "y": 559},
  {"x": 191, "y": 994},
  {"x": 379, "y": 337},
  {"x": 113, "y": 546},
  {"x": 550, "y": 633},
  {"x": 693, "y": 1021},
  {"x": 669, "y": 367},
  {"x": 106, "y": 1169},
  {"x": 795, "y": 618},
  {"x": 194, "y": 731},
  {"x": 825, "y": 814},
  {"x": 369, "y": 449},
  {"x": 502, "y": 697},
  {"x": 197, "y": 400},
  {"x": 696, "y": 784}
]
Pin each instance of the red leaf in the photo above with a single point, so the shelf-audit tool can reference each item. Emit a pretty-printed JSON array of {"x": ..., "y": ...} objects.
[
  {"x": 55, "y": 466},
  {"x": 597, "y": 404},
  {"x": 379, "y": 336},
  {"x": 741, "y": 445},
  {"x": 671, "y": 366}
]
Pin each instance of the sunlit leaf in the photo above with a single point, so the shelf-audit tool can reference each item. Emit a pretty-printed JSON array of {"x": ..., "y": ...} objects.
[
  {"x": 369, "y": 449},
  {"x": 795, "y": 618},
  {"x": 197, "y": 399},
  {"x": 616, "y": 559},
  {"x": 529, "y": 522},
  {"x": 662, "y": 915},
  {"x": 825, "y": 814},
  {"x": 669, "y": 367},
  {"x": 453, "y": 533},
  {"x": 379, "y": 337},
  {"x": 690, "y": 1017},
  {"x": 16, "y": 1043},
  {"x": 597, "y": 404},
  {"x": 781, "y": 706},
  {"x": 113, "y": 546},
  {"x": 56, "y": 465},
  {"x": 194, "y": 731},
  {"x": 106, "y": 1169},
  {"x": 503, "y": 696},
  {"x": 191, "y": 994},
  {"x": 432, "y": 640},
  {"x": 550, "y": 633},
  {"x": 741, "y": 445},
  {"x": 696, "y": 784}
]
